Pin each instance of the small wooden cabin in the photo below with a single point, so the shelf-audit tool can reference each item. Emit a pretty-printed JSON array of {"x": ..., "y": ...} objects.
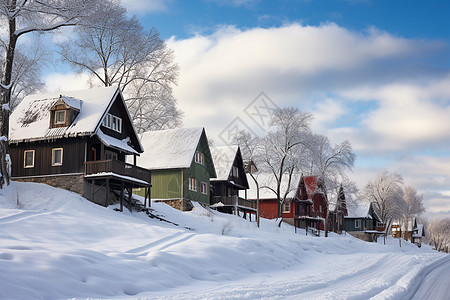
[
  {"x": 77, "y": 141},
  {"x": 231, "y": 179},
  {"x": 364, "y": 222},
  {"x": 181, "y": 165}
]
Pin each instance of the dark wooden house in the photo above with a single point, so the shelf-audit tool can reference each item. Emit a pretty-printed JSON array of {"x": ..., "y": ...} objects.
[
  {"x": 231, "y": 179},
  {"x": 77, "y": 141},
  {"x": 338, "y": 211}
]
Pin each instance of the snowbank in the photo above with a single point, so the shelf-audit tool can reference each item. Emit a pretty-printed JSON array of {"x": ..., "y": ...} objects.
[{"x": 55, "y": 244}]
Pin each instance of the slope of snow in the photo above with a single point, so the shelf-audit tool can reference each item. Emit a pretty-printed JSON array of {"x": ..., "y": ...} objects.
[{"x": 55, "y": 244}]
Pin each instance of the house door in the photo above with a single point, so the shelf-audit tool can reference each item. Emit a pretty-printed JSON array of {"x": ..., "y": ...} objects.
[{"x": 93, "y": 154}]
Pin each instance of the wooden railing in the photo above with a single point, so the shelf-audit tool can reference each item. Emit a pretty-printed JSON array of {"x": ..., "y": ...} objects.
[
  {"x": 231, "y": 201},
  {"x": 117, "y": 167},
  {"x": 310, "y": 214}
]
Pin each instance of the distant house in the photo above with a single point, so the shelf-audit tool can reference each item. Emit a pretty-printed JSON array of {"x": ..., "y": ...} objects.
[
  {"x": 231, "y": 179},
  {"x": 305, "y": 205},
  {"x": 364, "y": 222},
  {"x": 77, "y": 141},
  {"x": 418, "y": 234},
  {"x": 311, "y": 203},
  {"x": 338, "y": 211},
  {"x": 181, "y": 165}
]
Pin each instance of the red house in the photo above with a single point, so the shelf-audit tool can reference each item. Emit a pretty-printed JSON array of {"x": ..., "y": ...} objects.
[{"x": 305, "y": 205}]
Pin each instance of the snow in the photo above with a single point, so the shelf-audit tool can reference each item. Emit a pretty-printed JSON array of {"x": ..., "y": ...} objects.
[
  {"x": 54, "y": 244},
  {"x": 223, "y": 158},
  {"x": 128, "y": 178},
  {"x": 115, "y": 143},
  {"x": 31, "y": 119},
  {"x": 267, "y": 180},
  {"x": 360, "y": 210},
  {"x": 169, "y": 149}
]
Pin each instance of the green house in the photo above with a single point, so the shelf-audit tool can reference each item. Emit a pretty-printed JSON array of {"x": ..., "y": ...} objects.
[{"x": 181, "y": 165}]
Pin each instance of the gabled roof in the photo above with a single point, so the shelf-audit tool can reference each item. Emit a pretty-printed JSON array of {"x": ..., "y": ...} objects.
[
  {"x": 267, "y": 182},
  {"x": 223, "y": 157},
  {"x": 171, "y": 148},
  {"x": 361, "y": 210},
  {"x": 30, "y": 121}
]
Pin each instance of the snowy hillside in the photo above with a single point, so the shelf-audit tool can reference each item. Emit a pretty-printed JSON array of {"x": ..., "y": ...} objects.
[{"x": 55, "y": 244}]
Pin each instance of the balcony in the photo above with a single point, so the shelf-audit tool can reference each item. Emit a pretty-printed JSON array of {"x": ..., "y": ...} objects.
[
  {"x": 231, "y": 201},
  {"x": 116, "y": 167}
]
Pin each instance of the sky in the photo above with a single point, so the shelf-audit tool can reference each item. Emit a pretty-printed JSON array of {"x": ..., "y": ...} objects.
[{"x": 376, "y": 73}]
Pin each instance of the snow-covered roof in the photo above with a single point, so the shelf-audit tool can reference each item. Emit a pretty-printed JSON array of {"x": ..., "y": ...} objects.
[
  {"x": 31, "y": 119},
  {"x": 115, "y": 143},
  {"x": 266, "y": 180},
  {"x": 169, "y": 149},
  {"x": 361, "y": 210},
  {"x": 223, "y": 157},
  {"x": 419, "y": 230}
]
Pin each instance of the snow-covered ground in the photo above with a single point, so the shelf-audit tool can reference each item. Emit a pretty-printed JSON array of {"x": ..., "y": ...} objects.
[{"x": 54, "y": 244}]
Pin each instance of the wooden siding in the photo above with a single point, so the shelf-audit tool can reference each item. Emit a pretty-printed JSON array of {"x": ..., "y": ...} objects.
[
  {"x": 73, "y": 157},
  {"x": 268, "y": 208},
  {"x": 199, "y": 172},
  {"x": 166, "y": 184},
  {"x": 118, "y": 109}
]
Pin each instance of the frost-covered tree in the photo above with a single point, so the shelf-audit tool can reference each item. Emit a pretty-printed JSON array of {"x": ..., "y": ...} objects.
[
  {"x": 331, "y": 163},
  {"x": 438, "y": 233},
  {"x": 26, "y": 76},
  {"x": 385, "y": 190},
  {"x": 21, "y": 17},
  {"x": 116, "y": 50},
  {"x": 412, "y": 204},
  {"x": 281, "y": 149}
]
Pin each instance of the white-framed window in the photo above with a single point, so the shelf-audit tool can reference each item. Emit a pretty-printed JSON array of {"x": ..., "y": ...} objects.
[
  {"x": 107, "y": 121},
  {"x": 204, "y": 188},
  {"x": 193, "y": 184},
  {"x": 286, "y": 207},
  {"x": 28, "y": 159},
  {"x": 199, "y": 158},
  {"x": 110, "y": 155},
  {"x": 112, "y": 122},
  {"x": 235, "y": 171},
  {"x": 357, "y": 223},
  {"x": 60, "y": 117},
  {"x": 57, "y": 156}
]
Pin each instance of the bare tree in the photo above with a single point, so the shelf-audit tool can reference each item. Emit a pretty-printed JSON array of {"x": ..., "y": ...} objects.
[
  {"x": 331, "y": 163},
  {"x": 385, "y": 190},
  {"x": 26, "y": 76},
  {"x": 412, "y": 204},
  {"x": 439, "y": 234},
  {"x": 281, "y": 148},
  {"x": 117, "y": 51},
  {"x": 20, "y": 18}
]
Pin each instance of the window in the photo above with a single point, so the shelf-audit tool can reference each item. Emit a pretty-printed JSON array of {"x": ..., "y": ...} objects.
[
  {"x": 57, "y": 156},
  {"x": 286, "y": 207},
  {"x": 357, "y": 223},
  {"x": 193, "y": 184},
  {"x": 110, "y": 155},
  {"x": 199, "y": 158},
  {"x": 28, "y": 159},
  {"x": 107, "y": 121},
  {"x": 204, "y": 188},
  {"x": 60, "y": 117},
  {"x": 112, "y": 122},
  {"x": 235, "y": 172}
]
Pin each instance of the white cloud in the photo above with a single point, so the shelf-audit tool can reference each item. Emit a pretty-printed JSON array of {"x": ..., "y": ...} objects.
[
  {"x": 57, "y": 82},
  {"x": 336, "y": 73}
]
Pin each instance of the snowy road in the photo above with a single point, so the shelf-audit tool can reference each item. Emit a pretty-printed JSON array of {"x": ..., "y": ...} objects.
[{"x": 436, "y": 282}]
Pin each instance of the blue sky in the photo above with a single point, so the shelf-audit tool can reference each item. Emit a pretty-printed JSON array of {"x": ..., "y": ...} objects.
[{"x": 376, "y": 73}]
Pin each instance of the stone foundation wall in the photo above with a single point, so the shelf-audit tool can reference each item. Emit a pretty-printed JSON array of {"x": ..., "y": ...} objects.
[
  {"x": 73, "y": 183},
  {"x": 362, "y": 235},
  {"x": 180, "y": 204}
]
